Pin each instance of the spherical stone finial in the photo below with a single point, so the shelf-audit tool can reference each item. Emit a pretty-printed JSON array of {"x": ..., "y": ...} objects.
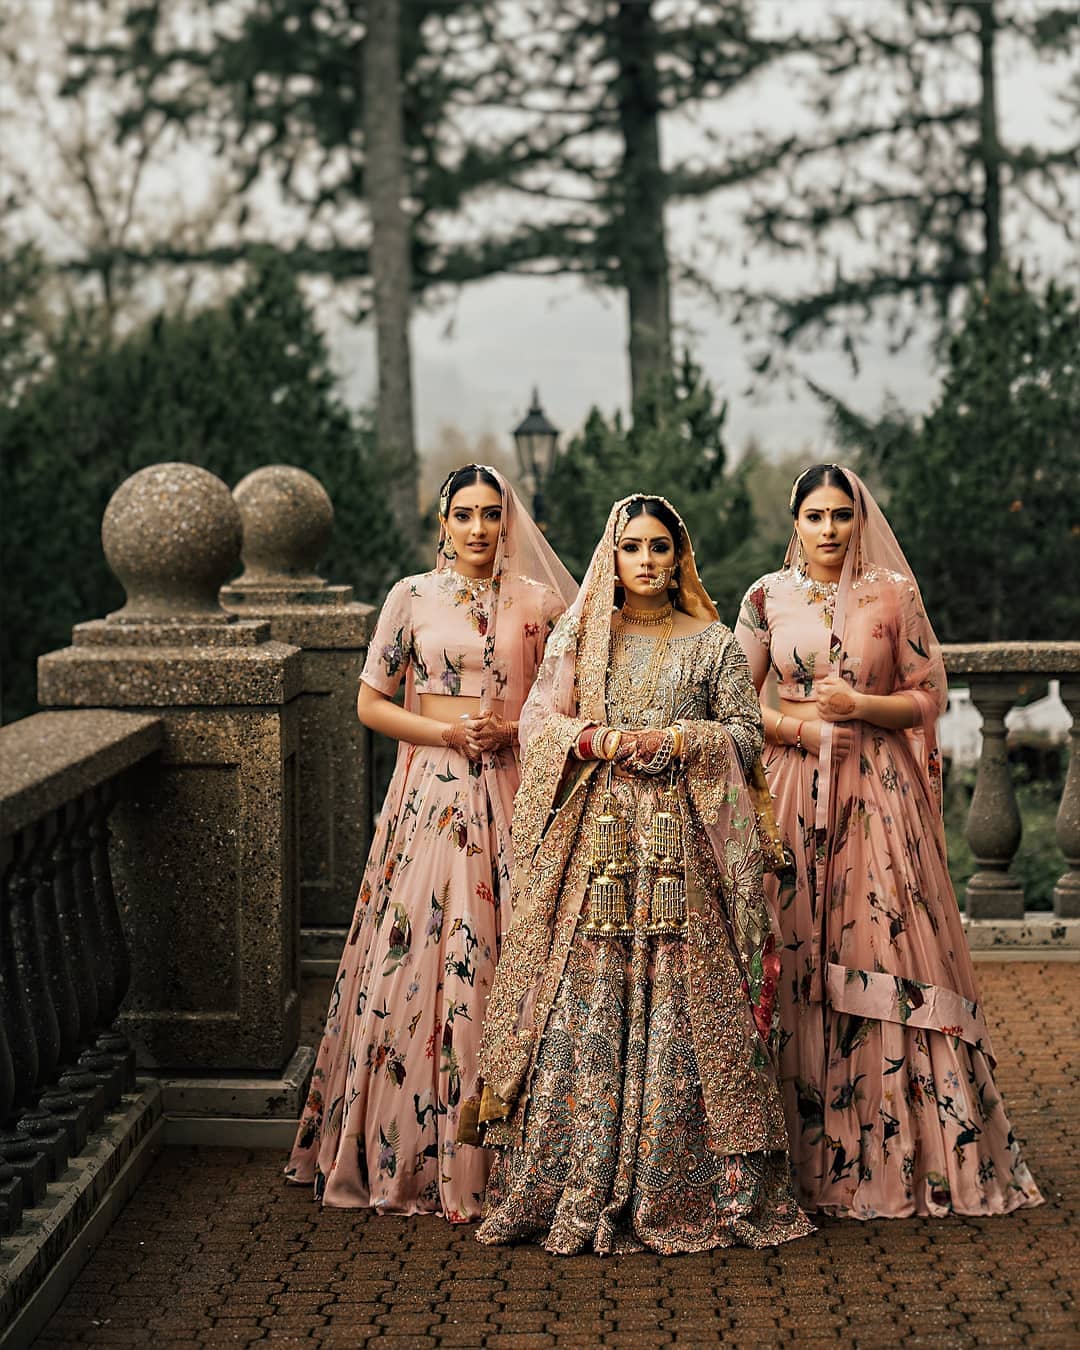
[
  {"x": 172, "y": 534},
  {"x": 287, "y": 517}
]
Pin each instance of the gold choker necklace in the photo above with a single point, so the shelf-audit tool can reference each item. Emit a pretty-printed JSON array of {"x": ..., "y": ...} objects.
[{"x": 648, "y": 618}]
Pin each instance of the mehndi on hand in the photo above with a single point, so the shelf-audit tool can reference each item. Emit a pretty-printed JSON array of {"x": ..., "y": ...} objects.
[{"x": 488, "y": 732}]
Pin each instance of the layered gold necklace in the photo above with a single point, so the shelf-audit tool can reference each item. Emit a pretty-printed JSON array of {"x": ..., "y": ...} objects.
[{"x": 631, "y": 696}]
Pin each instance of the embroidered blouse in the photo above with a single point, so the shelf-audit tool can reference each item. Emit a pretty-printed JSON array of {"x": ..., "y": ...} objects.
[{"x": 704, "y": 678}]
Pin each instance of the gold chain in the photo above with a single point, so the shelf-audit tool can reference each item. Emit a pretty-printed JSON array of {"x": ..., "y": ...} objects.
[{"x": 631, "y": 698}]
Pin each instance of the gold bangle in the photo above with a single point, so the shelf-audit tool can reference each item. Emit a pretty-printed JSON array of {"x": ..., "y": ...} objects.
[
  {"x": 777, "y": 728},
  {"x": 604, "y": 752},
  {"x": 677, "y": 735}
]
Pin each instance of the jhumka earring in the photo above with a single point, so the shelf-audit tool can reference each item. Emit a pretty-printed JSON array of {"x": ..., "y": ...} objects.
[
  {"x": 800, "y": 558},
  {"x": 667, "y": 905},
  {"x": 449, "y": 552},
  {"x": 609, "y": 862}
]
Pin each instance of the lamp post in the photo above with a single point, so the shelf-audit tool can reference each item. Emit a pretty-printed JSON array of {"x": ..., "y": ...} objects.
[{"x": 536, "y": 440}]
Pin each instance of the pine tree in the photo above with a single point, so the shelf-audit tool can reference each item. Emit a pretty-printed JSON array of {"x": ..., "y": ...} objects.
[{"x": 909, "y": 187}]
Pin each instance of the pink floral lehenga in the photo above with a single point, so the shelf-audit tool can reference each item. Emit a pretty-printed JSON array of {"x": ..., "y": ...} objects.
[
  {"x": 398, "y": 1054},
  {"x": 886, "y": 1061}
]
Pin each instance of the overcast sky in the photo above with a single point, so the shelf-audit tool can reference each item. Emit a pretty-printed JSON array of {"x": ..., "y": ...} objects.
[
  {"x": 477, "y": 356},
  {"x": 478, "y": 353}
]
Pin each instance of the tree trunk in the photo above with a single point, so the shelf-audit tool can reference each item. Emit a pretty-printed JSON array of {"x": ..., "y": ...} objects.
[
  {"x": 989, "y": 145},
  {"x": 640, "y": 194},
  {"x": 385, "y": 191}
]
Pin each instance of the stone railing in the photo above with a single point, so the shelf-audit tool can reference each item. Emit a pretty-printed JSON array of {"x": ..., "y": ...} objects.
[
  {"x": 998, "y": 674},
  {"x": 64, "y": 964}
]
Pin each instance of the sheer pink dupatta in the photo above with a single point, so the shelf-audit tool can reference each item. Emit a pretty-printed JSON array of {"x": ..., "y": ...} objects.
[
  {"x": 529, "y": 588},
  {"x": 874, "y": 555}
]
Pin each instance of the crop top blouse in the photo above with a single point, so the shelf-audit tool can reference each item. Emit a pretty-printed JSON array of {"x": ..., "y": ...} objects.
[{"x": 437, "y": 622}]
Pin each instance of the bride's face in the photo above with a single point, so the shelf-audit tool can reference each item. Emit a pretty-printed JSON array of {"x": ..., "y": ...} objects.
[{"x": 645, "y": 559}]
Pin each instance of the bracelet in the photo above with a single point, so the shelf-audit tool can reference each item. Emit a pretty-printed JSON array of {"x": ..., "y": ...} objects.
[
  {"x": 798, "y": 736},
  {"x": 678, "y": 736},
  {"x": 583, "y": 744},
  {"x": 662, "y": 758},
  {"x": 609, "y": 750}
]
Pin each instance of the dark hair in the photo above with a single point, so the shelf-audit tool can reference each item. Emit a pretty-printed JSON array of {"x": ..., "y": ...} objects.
[
  {"x": 653, "y": 506},
  {"x": 467, "y": 476},
  {"x": 818, "y": 475}
]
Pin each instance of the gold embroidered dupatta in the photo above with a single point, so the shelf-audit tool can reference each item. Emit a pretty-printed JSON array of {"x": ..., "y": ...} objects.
[{"x": 732, "y": 959}]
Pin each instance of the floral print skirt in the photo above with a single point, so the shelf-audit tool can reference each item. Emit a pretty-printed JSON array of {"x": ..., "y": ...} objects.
[
  {"x": 887, "y": 1078},
  {"x": 398, "y": 1054},
  {"x": 615, "y": 1156}
]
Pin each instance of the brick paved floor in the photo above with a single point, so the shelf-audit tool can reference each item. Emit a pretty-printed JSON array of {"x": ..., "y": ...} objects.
[{"x": 215, "y": 1250}]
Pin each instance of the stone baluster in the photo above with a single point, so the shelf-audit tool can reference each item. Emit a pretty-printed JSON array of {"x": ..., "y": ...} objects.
[
  {"x": 35, "y": 1033},
  {"x": 993, "y": 825},
  {"x": 54, "y": 945},
  {"x": 77, "y": 931},
  {"x": 58, "y": 1004},
  {"x": 99, "y": 898},
  {"x": 84, "y": 1065},
  {"x": 1067, "y": 891}
]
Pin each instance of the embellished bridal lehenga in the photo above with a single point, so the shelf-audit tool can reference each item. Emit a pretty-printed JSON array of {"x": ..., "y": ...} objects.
[{"x": 627, "y": 1060}]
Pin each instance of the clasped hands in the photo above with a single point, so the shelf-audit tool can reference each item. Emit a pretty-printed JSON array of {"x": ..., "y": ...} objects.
[
  {"x": 837, "y": 703},
  {"x": 649, "y": 750},
  {"x": 483, "y": 734}
]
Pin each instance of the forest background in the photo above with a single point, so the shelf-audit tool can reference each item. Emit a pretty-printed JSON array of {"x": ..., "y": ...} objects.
[{"x": 215, "y": 213}]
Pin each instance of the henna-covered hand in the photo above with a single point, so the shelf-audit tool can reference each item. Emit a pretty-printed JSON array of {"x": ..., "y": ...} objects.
[
  {"x": 638, "y": 749},
  {"x": 455, "y": 735},
  {"x": 488, "y": 732},
  {"x": 836, "y": 700}
]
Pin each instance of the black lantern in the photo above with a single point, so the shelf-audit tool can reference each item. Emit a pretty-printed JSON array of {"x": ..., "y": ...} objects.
[{"x": 536, "y": 440}]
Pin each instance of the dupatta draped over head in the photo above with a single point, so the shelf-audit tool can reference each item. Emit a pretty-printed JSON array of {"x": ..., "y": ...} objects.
[
  {"x": 877, "y": 595},
  {"x": 528, "y": 585},
  {"x": 524, "y": 561},
  {"x": 874, "y": 560},
  {"x": 732, "y": 962}
]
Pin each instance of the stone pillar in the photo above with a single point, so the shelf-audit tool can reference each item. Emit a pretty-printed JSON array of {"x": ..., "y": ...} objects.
[
  {"x": 1067, "y": 891},
  {"x": 203, "y": 846},
  {"x": 993, "y": 825},
  {"x": 287, "y": 518}
]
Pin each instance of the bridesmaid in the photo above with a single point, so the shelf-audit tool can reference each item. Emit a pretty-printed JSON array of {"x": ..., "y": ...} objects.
[
  {"x": 398, "y": 1057},
  {"x": 886, "y": 1060}
]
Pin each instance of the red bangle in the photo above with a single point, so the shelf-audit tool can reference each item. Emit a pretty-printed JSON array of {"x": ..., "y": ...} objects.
[{"x": 584, "y": 748}]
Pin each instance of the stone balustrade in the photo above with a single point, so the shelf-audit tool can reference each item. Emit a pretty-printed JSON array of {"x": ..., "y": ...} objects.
[
  {"x": 64, "y": 962},
  {"x": 998, "y": 674},
  {"x": 205, "y": 846}
]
